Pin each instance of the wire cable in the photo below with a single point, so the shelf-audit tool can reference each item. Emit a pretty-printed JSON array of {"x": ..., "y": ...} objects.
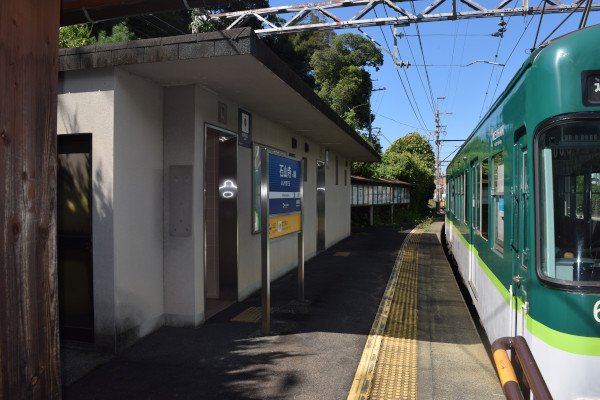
[
  {"x": 412, "y": 3},
  {"x": 511, "y": 53}
]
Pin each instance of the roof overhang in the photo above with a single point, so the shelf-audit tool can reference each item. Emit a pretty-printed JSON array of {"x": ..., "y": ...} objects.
[
  {"x": 83, "y": 11},
  {"x": 235, "y": 65}
]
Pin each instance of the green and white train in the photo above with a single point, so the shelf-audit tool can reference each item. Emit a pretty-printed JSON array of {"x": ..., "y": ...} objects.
[{"x": 523, "y": 213}]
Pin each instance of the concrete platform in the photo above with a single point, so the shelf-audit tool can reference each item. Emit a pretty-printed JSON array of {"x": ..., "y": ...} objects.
[
  {"x": 453, "y": 360},
  {"x": 317, "y": 345}
]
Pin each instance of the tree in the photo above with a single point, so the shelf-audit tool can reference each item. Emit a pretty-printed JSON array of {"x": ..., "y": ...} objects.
[
  {"x": 417, "y": 144},
  {"x": 341, "y": 78},
  {"x": 120, "y": 33},
  {"x": 200, "y": 22},
  {"x": 367, "y": 169},
  {"x": 74, "y": 36},
  {"x": 296, "y": 49},
  {"x": 411, "y": 159}
]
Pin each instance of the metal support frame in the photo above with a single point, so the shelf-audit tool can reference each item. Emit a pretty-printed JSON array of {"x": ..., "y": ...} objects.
[
  {"x": 301, "y": 237},
  {"x": 299, "y": 12},
  {"x": 265, "y": 328}
]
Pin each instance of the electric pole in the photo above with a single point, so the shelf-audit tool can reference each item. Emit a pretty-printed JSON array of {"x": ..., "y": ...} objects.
[
  {"x": 438, "y": 174},
  {"x": 371, "y": 90}
]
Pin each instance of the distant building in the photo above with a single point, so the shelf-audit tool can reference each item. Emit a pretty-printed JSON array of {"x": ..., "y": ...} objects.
[
  {"x": 373, "y": 192},
  {"x": 149, "y": 132}
]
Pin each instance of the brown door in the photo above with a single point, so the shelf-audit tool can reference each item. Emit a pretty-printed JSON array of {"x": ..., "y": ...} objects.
[{"x": 74, "y": 237}]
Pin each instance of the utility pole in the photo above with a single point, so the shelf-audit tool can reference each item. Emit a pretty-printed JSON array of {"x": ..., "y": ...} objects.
[
  {"x": 371, "y": 90},
  {"x": 438, "y": 177}
]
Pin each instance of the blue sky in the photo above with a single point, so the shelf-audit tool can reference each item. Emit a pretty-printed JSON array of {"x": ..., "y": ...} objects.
[{"x": 468, "y": 91}]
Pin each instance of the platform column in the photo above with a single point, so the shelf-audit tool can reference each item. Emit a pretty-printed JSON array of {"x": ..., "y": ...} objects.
[{"x": 29, "y": 366}]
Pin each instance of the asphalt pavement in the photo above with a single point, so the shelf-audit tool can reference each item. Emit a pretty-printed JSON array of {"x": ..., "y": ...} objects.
[{"x": 313, "y": 351}]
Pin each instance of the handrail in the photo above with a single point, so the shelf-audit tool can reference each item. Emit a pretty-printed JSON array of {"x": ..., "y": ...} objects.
[{"x": 527, "y": 369}]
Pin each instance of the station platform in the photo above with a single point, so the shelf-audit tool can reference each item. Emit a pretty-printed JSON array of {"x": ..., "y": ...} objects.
[{"x": 384, "y": 319}]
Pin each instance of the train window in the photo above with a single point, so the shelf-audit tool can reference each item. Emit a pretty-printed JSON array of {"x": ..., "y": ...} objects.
[
  {"x": 475, "y": 188},
  {"x": 485, "y": 181},
  {"x": 568, "y": 160},
  {"x": 452, "y": 197},
  {"x": 498, "y": 200}
]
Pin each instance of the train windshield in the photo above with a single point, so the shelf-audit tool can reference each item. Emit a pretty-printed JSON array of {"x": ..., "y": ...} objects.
[{"x": 569, "y": 165}]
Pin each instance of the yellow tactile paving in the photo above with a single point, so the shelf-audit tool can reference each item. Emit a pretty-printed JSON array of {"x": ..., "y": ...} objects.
[
  {"x": 251, "y": 314},
  {"x": 388, "y": 367}
]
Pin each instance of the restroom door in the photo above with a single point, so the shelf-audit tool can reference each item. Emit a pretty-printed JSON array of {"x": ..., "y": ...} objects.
[
  {"x": 320, "y": 206},
  {"x": 221, "y": 246},
  {"x": 74, "y": 237}
]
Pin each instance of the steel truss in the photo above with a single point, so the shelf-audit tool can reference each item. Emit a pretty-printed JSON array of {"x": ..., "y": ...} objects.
[{"x": 323, "y": 9}]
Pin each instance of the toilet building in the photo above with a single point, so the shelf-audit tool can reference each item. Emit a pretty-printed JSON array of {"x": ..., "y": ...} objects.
[{"x": 157, "y": 191}]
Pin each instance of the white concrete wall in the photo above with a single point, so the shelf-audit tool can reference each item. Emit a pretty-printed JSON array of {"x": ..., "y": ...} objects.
[
  {"x": 138, "y": 206},
  {"x": 83, "y": 111},
  {"x": 284, "y": 250},
  {"x": 337, "y": 201},
  {"x": 184, "y": 255},
  {"x": 144, "y": 276}
]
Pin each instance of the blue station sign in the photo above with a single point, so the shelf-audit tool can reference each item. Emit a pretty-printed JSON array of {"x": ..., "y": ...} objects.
[{"x": 284, "y": 185}]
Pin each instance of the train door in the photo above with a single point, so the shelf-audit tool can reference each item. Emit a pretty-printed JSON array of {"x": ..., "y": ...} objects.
[
  {"x": 474, "y": 225},
  {"x": 520, "y": 249}
]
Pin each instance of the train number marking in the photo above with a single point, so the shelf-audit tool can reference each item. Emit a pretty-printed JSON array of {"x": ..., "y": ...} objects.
[{"x": 597, "y": 311}]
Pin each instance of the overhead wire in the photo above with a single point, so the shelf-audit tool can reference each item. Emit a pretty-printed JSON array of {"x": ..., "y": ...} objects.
[
  {"x": 510, "y": 55},
  {"x": 559, "y": 25},
  {"x": 487, "y": 90},
  {"x": 414, "y": 107},
  {"x": 412, "y": 3},
  {"x": 168, "y": 24},
  {"x": 398, "y": 122}
]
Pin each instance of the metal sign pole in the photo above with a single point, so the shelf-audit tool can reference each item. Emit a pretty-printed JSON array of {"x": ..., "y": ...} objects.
[
  {"x": 264, "y": 242},
  {"x": 301, "y": 237}
]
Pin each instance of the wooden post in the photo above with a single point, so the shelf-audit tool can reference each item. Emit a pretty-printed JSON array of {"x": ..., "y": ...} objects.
[{"x": 29, "y": 355}]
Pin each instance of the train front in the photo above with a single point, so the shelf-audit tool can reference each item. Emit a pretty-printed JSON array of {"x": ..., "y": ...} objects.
[{"x": 566, "y": 168}]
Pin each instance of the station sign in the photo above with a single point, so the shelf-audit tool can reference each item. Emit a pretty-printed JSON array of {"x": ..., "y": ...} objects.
[{"x": 284, "y": 195}]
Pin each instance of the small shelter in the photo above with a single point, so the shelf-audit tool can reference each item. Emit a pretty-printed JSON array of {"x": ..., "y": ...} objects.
[{"x": 150, "y": 132}]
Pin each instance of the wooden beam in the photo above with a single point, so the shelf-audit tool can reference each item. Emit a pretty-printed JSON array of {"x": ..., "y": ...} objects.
[
  {"x": 83, "y": 11},
  {"x": 29, "y": 354}
]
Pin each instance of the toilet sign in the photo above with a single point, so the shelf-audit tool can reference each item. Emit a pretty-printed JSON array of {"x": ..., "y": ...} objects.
[{"x": 244, "y": 128}]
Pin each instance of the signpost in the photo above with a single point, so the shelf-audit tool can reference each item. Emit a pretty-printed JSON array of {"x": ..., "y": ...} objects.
[{"x": 281, "y": 195}]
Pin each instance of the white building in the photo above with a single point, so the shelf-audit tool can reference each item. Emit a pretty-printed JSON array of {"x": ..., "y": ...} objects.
[{"x": 148, "y": 131}]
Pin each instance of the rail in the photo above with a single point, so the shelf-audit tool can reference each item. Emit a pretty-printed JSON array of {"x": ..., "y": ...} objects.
[{"x": 523, "y": 364}]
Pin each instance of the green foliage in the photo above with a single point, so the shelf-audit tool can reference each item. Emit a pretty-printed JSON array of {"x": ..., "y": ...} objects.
[
  {"x": 417, "y": 144},
  {"x": 297, "y": 49},
  {"x": 367, "y": 169},
  {"x": 120, "y": 33},
  {"x": 74, "y": 36},
  {"x": 411, "y": 159},
  {"x": 84, "y": 35},
  {"x": 341, "y": 78},
  {"x": 201, "y": 24}
]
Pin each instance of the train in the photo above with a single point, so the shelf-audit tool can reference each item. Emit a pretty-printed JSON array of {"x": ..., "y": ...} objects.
[{"x": 522, "y": 217}]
